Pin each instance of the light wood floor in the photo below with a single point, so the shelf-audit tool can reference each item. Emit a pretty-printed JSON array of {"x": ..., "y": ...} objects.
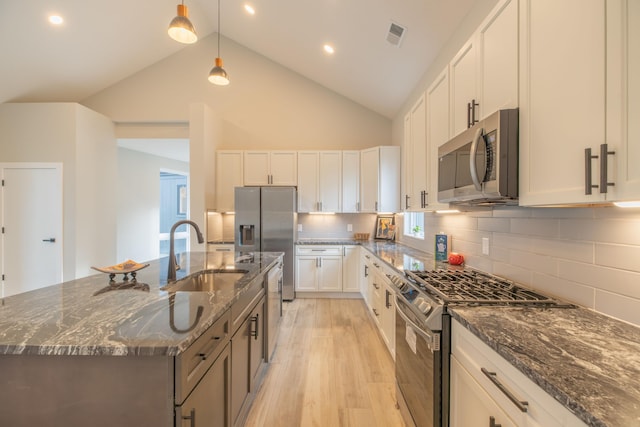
[{"x": 330, "y": 369}]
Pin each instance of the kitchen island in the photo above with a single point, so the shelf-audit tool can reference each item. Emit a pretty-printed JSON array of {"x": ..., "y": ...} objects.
[{"x": 87, "y": 353}]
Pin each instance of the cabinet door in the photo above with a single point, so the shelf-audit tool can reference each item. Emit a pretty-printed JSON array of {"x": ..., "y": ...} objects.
[
  {"x": 623, "y": 97},
  {"x": 308, "y": 181},
  {"x": 389, "y": 179},
  {"x": 284, "y": 170},
  {"x": 229, "y": 175},
  {"x": 388, "y": 318},
  {"x": 330, "y": 274},
  {"x": 437, "y": 133},
  {"x": 306, "y": 273},
  {"x": 498, "y": 60},
  {"x": 463, "y": 69},
  {"x": 209, "y": 402},
  {"x": 330, "y": 181},
  {"x": 256, "y": 168},
  {"x": 376, "y": 291},
  {"x": 350, "y": 269},
  {"x": 470, "y": 404},
  {"x": 256, "y": 344},
  {"x": 419, "y": 168},
  {"x": 369, "y": 167},
  {"x": 561, "y": 106},
  {"x": 350, "y": 181},
  {"x": 407, "y": 164},
  {"x": 239, "y": 369}
]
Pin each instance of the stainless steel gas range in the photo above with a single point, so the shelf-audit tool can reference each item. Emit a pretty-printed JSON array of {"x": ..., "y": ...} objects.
[{"x": 423, "y": 332}]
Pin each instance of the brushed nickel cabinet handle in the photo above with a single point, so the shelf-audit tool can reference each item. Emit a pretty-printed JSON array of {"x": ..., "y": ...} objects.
[{"x": 521, "y": 404}]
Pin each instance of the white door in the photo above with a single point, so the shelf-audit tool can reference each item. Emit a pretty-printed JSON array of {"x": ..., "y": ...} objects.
[{"x": 31, "y": 207}]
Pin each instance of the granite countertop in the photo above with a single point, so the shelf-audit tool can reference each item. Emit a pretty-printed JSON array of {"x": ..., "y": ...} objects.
[
  {"x": 87, "y": 317},
  {"x": 587, "y": 361}
]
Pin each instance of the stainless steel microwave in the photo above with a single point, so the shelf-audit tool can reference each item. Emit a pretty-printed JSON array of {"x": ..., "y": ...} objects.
[{"x": 480, "y": 166}]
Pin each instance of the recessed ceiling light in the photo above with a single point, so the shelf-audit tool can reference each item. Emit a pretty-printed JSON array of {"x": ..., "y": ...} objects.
[
  {"x": 56, "y": 19},
  {"x": 250, "y": 10},
  {"x": 328, "y": 49}
]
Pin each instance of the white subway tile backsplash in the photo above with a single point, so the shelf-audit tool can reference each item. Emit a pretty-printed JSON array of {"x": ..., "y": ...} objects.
[
  {"x": 535, "y": 227},
  {"x": 564, "y": 249},
  {"x": 585, "y": 213},
  {"x": 511, "y": 212},
  {"x": 574, "y": 292},
  {"x": 622, "y": 231},
  {"x": 618, "y": 306},
  {"x": 535, "y": 262},
  {"x": 609, "y": 279},
  {"x": 513, "y": 272},
  {"x": 625, "y": 257},
  {"x": 502, "y": 225}
]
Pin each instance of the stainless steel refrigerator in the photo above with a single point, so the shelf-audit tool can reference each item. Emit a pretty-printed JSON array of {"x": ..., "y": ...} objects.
[{"x": 265, "y": 221}]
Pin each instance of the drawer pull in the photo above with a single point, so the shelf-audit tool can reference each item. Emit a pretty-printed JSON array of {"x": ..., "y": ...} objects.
[
  {"x": 521, "y": 404},
  {"x": 492, "y": 422},
  {"x": 192, "y": 417},
  {"x": 375, "y": 285}
]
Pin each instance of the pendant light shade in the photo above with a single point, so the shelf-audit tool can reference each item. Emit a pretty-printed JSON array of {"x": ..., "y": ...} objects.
[
  {"x": 217, "y": 75},
  {"x": 181, "y": 29}
]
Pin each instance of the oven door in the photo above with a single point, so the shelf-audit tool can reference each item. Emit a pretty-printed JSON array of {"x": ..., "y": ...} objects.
[{"x": 418, "y": 369}]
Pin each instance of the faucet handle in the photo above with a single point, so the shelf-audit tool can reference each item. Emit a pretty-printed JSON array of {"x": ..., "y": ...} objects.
[{"x": 175, "y": 262}]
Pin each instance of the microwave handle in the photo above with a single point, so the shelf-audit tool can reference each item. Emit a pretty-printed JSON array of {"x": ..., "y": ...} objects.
[{"x": 472, "y": 159}]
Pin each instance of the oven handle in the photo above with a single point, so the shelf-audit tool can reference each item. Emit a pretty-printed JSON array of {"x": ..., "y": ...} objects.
[{"x": 431, "y": 338}]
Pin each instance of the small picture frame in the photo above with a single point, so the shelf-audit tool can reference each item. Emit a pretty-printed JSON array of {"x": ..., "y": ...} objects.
[{"x": 385, "y": 227}]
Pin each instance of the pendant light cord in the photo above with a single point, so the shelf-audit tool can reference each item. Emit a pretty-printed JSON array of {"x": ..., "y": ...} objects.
[{"x": 218, "y": 28}]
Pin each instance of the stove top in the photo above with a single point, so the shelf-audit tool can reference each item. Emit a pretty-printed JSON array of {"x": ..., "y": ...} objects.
[{"x": 472, "y": 287}]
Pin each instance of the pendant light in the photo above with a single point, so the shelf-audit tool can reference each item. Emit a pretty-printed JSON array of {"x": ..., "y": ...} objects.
[
  {"x": 180, "y": 28},
  {"x": 217, "y": 75}
]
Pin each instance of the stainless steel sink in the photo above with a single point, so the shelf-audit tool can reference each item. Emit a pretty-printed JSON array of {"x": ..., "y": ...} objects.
[{"x": 206, "y": 281}]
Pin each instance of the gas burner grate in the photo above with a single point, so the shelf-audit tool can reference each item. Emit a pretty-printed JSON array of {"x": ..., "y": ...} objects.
[{"x": 474, "y": 287}]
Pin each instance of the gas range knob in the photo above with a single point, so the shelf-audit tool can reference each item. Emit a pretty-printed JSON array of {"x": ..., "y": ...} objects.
[{"x": 423, "y": 305}]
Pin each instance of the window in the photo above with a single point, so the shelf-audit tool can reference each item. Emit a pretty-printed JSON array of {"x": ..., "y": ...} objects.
[{"x": 414, "y": 224}]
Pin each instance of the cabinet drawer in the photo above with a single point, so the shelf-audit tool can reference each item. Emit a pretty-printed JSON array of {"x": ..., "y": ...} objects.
[
  {"x": 316, "y": 250},
  {"x": 193, "y": 363},
  {"x": 542, "y": 409}
]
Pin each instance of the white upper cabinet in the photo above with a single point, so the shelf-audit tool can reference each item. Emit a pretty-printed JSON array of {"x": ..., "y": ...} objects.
[
  {"x": 497, "y": 39},
  {"x": 229, "y": 175},
  {"x": 562, "y": 101},
  {"x": 350, "y": 181},
  {"x": 623, "y": 95},
  {"x": 415, "y": 157},
  {"x": 464, "y": 96},
  {"x": 484, "y": 73},
  {"x": 270, "y": 168},
  {"x": 380, "y": 179},
  {"x": 319, "y": 181},
  {"x": 437, "y": 134}
]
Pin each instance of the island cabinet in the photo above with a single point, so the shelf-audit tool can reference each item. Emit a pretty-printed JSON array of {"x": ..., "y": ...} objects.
[
  {"x": 270, "y": 168},
  {"x": 487, "y": 390},
  {"x": 247, "y": 352}
]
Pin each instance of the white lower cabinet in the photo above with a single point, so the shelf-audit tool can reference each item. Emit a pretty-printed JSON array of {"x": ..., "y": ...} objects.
[
  {"x": 351, "y": 268},
  {"x": 379, "y": 295},
  {"x": 478, "y": 400},
  {"x": 318, "y": 268}
]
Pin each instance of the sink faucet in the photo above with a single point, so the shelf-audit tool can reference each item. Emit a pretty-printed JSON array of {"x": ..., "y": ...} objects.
[{"x": 173, "y": 263}]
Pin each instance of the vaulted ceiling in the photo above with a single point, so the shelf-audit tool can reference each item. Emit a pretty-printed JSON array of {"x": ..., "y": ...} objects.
[{"x": 104, "y": 41}]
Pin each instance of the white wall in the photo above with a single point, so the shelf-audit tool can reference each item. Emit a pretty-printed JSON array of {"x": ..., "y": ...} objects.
[
  {"x": 265, "y": 106},
  {"x": 83, "y": 141},
  {"x": 138, "y": 204}
]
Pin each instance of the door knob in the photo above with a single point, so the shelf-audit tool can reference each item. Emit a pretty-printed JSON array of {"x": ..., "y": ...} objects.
[{"x": 51, "y": 239}]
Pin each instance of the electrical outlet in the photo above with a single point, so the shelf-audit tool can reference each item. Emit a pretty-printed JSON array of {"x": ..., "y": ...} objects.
[
  {"x": 485, "y": 246},
  {"x": 349, "y": 227},
  {"x": 299, "y": 227}
]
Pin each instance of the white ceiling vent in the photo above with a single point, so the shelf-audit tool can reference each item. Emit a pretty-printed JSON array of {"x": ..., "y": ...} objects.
[{"x": 396, "y": 34}]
